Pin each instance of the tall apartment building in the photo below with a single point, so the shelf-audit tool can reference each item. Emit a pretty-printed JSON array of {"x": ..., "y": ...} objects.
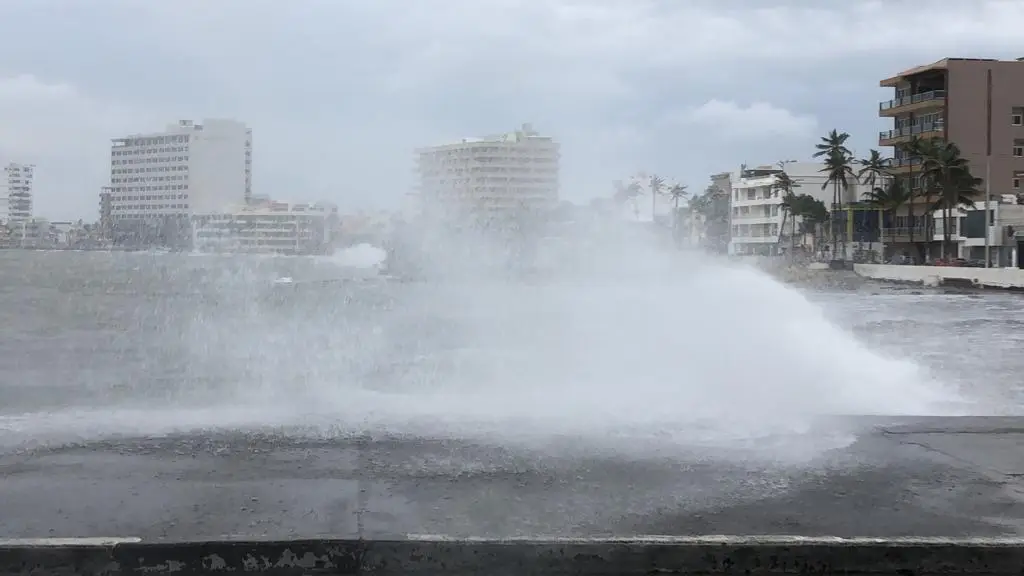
[
  {"x": 488, "y": 179},
  {"x": 160, "y": 179},
  {"x": 976, "y": 103},
  {"x": 756, "y": 214},
  {"x": 16, "y": 192}
]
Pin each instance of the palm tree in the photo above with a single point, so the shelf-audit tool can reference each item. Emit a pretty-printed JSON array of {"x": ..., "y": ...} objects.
[
  {"x": 831, "y": 142},
  {"x": 629, "y": 193},
  {"x": 838, "y": 159},
  {"x": 891, "y": 198},
  {"x": 676, "y": 193},
  {"x": 657, "y": 185},
  {"x": 948, "y": 174},
  {"x": 915, "y": 147},
  {"x": 874, "y": 170},
  {"x": 785, "y": 185}
]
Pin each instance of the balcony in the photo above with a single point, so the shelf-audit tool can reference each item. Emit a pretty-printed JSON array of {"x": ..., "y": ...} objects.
[
  {"x": 899, "y": 135},
  {"x": 912, "y": 103},
  {"x": 903, "y": 234},
  {"x": 903, "y": 165}
]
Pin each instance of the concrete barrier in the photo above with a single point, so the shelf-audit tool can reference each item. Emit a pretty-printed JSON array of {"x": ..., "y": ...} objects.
[
  {"x": 432, "y": 555},
  {"x": 1004, "y": 278}
]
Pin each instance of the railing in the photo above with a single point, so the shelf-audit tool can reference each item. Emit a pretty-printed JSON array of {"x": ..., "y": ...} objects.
[
  {"x": 898, "y": 162},
  {"x": 912, "y": 130},
  {"x": 762, "y": 555},
  {"x": 913, "y": 99},
  {"x": 921, "y": 233}
]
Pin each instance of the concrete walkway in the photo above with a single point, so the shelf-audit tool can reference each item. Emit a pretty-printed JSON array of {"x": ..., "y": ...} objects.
[{"x": 943, "y": 477}]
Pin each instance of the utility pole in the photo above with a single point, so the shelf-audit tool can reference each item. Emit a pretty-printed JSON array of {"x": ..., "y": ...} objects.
[{"x": 988, "y": 198}]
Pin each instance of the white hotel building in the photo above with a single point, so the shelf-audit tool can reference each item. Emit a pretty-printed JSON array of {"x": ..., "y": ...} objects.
[
  {"x": 186, "y": 169},
  {"x": 489, "y": 178},
  {"x": 16, "y": 192},
  {"x": 756, "y": 206}
]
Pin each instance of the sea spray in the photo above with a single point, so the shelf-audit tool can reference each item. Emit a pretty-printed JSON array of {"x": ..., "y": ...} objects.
[{"x": 617, "y": 345}]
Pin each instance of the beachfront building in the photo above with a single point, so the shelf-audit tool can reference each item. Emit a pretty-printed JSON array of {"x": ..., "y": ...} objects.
[
  {"x": 756, "y": 212},
  {"x": 968, "y": 231},
  {"x": 16, "y": 192},
  {"x": 490, "y": 180},
  {"x": 159, "y": 180},
  {"x": 976, "y": 104},
  {"x": 266, "y": 228}
]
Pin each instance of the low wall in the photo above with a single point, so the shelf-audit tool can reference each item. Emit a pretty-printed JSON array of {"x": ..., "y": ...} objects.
[
  {"x": 1007, "y": 278},
  {"x": 621, "y": 557}
]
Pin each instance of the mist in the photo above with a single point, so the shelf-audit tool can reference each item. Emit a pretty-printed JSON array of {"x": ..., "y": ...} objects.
[{"x": 595, "y": 337}]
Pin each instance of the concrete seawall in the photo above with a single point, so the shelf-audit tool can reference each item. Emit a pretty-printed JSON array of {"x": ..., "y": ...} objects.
[
  {"x": 1002, "y": 278},
  {"x": 622, "y": 557}
]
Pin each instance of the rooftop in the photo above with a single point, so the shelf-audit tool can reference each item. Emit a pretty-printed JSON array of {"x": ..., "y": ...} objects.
[{"x": 937, "y": 65}]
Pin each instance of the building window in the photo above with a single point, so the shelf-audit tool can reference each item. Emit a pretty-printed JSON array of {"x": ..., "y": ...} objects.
[
  {"x": 1017, "y": 177},
  {"x": 1017, "y": 116},
  {"x": 1018, "y": 147}
]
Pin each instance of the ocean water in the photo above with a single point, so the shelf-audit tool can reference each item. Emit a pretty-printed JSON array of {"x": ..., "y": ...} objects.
[
  {"x": 97, "y": 343},
  {"x": 185, "y": 395}
]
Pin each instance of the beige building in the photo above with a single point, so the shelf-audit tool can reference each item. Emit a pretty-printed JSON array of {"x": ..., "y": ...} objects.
[
  {"x": 977, "y": 104},
  {"x": 487, "y": 179}
]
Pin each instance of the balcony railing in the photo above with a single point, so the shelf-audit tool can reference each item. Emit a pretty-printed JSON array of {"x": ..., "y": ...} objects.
[
  {"x": 920, "y": 232},
  {"x": 901, "y": 162},
  {"x": 913, "y": 99},
  {"x": 912, "y": 130}
]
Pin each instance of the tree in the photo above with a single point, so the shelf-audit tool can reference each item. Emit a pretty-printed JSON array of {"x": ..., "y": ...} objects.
[
  {"x": 890, "y": 199},
  {"x": 629, "y": 193},
  {"x": 785, "y": 185},
  {"x": 809, "y": 209},
  {"x": 677, "y": 193},
  {"x": 874, "y": 171},
  {"x": 948, "y": 175},
  {"x": 914, "y": 150},
  {"x": 657, "y": 187},
  {"x": 713, "y": 208},
  {"x": 839, "y": 173}
]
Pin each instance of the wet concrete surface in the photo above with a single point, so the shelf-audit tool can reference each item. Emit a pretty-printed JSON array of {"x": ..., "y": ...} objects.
[{"x": 951, "y": 477}]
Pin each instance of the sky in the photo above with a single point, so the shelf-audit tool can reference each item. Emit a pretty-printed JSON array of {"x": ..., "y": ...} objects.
[{"x": 338, "y": 93}]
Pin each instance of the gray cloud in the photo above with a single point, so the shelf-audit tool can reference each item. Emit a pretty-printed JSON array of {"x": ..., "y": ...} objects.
[{"x": 339, "y": 93}]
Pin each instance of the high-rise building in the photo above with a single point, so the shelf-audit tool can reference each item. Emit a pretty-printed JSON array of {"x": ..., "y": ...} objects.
[
  {"x": 976, "y": 103},
  {"x": 158, "y": 180},
  {"x": 16, "y": 191},
  {"x": 491, "y": 178}
]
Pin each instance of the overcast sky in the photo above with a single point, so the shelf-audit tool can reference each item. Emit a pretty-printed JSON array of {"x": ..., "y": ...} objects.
[{"x": 339, "y": 92}]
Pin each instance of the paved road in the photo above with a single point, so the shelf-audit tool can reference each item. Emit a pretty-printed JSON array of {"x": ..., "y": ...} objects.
[{"x": 924, "y": 477}]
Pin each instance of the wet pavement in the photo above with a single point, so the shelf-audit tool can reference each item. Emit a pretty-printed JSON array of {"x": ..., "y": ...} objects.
[{"x": 902, "y": 477}]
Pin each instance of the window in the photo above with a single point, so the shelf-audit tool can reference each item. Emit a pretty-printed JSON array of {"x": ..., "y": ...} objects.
[
  {"x": 1017, "y": 177},
  {"x": 1017, "y": 116},
  {"x": 1018, "y": 147}
]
